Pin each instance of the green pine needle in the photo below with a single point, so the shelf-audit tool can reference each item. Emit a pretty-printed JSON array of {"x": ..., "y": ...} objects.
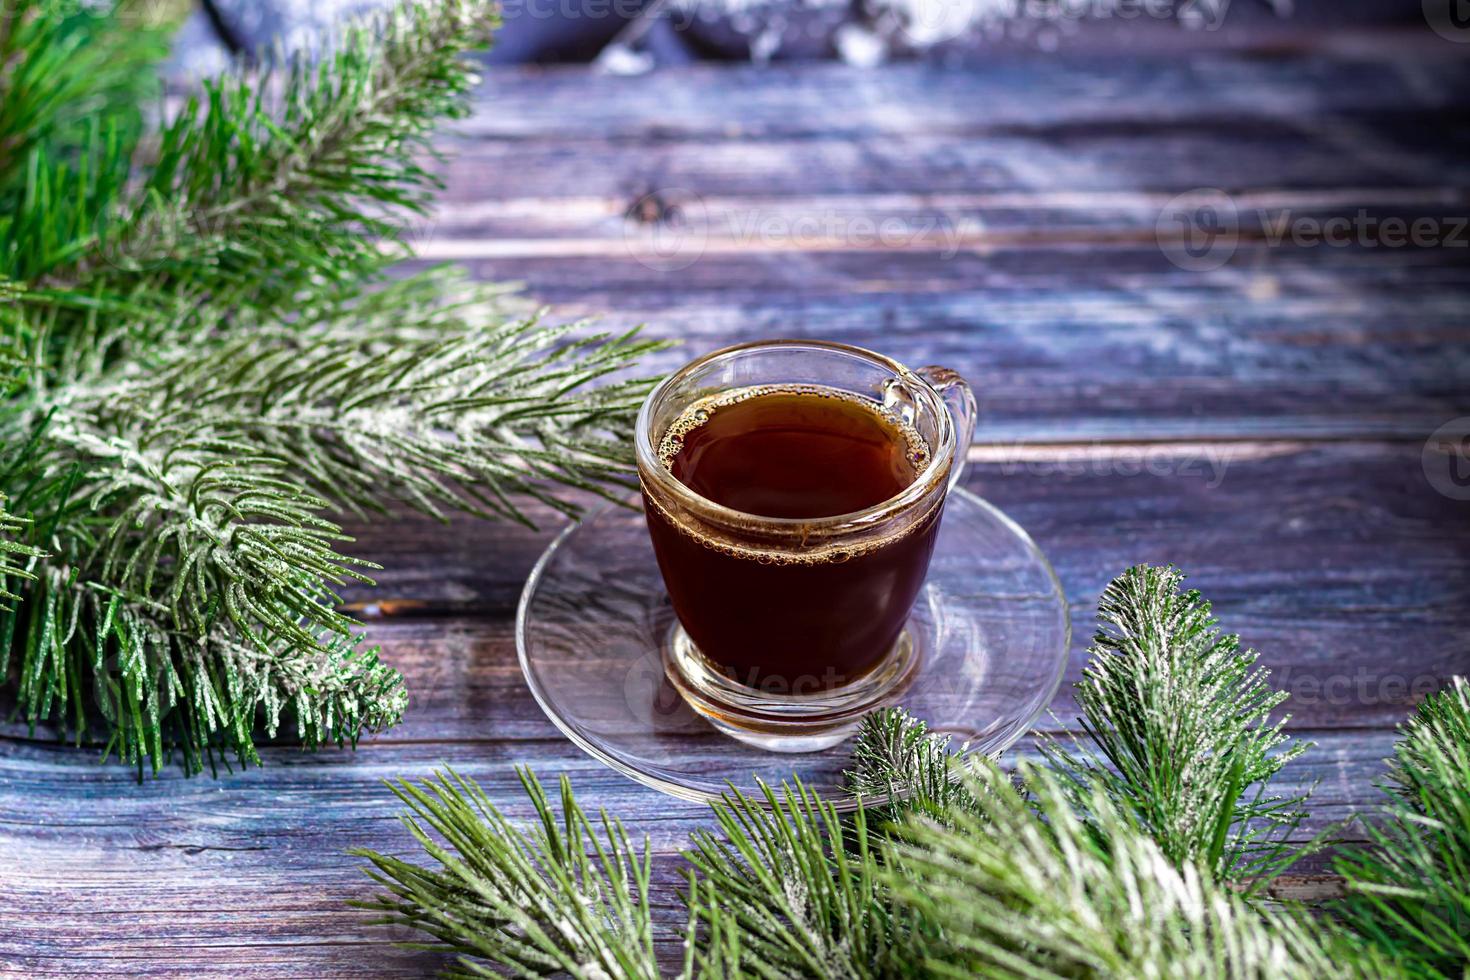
[
  {"x": 1409, "y": 886},
  {"x": 264, "y": 187},
  {"x": 1052, "y": 871},
  {"x": 1178, "y": 731},
  {"x": 569, "y": 897},
  {"x": 67, "y": 64},
  {"x": 799, "y": 888},
  {"x": 204, "y": 364},
  {"x": 1031, "y": 885},
  {"x": 424, "y": 391},
  {"x": 195, "y": 500},
  {"x": 898, "y": 761}
]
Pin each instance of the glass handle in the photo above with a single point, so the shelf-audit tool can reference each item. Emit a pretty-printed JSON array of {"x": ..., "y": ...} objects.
[{"x": 960, "y": 398}]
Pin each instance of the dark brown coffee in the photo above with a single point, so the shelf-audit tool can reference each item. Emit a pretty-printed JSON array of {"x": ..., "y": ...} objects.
[{"x": 777, "y": 621}]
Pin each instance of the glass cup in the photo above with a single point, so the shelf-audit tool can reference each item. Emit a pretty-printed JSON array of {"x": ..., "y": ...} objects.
[{"x": 790, "y": 630}]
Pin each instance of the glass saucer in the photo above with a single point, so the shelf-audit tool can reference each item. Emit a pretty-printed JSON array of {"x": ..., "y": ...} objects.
[{"x": 593, "y": 619}]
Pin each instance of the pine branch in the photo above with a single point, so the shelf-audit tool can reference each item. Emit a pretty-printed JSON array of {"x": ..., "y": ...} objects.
[
  {"x": 1409, "y": 886},
  {"x": 568, "y": 897},
  {"x": 204, "y": 364},
  {"x": 86, "y": 657},
  {"x": 1052, "y": 871},
  {"x": 1055, "y": 872},
  {"x": 75, "y": 83},
  {"x": 900, "y": 764},
  {"x": 429, "y": 395},
  {"x": 195, "y": 494},
  {"x": 1176, "y": 719},
  {"x": 563, "y": 898},
  {"x": 197, "y": 526},
  {"x": 1018, "y": 883},
  {"x": 302, "y": 179},
  {"x": 797, "y": 890},
  {"x": 16, "y": 557},
  {"x": 1029, "y": 886},
  {"x": 159, "y": 441},
  {"x": 65, "y": 64},
  {"x": 1175, "y": 722}
]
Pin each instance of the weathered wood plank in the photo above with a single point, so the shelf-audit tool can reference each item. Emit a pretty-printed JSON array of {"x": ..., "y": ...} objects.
[
  {"x": 1336, "y": 559},
  {"x": 1366, "y": 163},
  {"x": 1014, "y": 90},
  {"x": 260, "y": 820},
  {"x": 181, "y": 877},
  {"x": 1071, "y": 344},
  {"x": 1339, "y": 562}
]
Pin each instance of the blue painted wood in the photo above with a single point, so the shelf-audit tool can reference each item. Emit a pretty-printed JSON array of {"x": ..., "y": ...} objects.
[
  {"x": 247, "y": 876},
  {"x": 1016, "y": 90},
  {"x": 178, "y": 874},
  {"x": 1262, "y": 425},
  {"x": 1068, "y": 343}
]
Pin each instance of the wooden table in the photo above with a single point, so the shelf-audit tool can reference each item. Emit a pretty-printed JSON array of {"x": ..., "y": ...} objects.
[{"x": 1262, "y": 424}]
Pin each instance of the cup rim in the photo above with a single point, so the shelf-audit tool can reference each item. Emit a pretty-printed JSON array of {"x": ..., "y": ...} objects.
[{"x": 934, "y": 472}]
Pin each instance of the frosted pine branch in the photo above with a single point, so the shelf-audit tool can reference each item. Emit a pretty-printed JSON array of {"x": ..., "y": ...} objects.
[
  {"x": 1177, "y": 728},
  {"x": 1050, "y": 871},
  {"x": 203, "y": 365},
  {"x": 569, "y": 897},
  {"x": 1030, "y": 884},
  {"x": 1409, "y": 885}
]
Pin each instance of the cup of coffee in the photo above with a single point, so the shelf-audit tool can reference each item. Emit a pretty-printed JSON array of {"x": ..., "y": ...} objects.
[{"x": 793, "y": 492}]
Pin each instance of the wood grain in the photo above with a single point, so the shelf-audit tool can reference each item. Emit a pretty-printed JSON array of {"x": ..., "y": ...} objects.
[
  {"x": 1322, "y": 556},
  {"x": 1015, "y": 90},
  {"x": 191, "y": 878},
  {"x": 1322, "y": 607},
  {"x": 1261, "y": 424},
  {"x": 1069, "y": 343}
]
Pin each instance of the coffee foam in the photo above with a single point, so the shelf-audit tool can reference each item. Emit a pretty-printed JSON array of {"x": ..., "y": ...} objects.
[{"x": 700, "y": 412}]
